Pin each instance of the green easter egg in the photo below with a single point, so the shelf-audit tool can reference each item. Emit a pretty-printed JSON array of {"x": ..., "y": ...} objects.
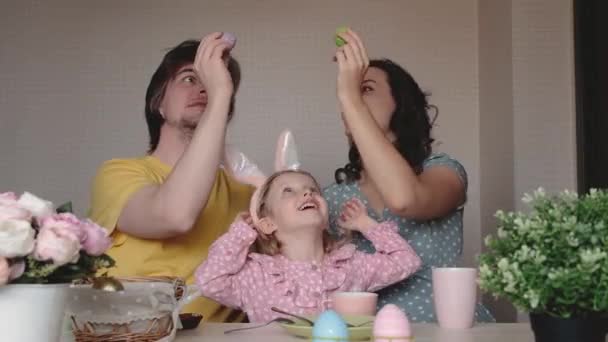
[{"x": 339, "y": 40}]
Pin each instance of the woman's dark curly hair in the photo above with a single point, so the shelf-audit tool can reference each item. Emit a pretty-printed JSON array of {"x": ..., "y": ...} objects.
[{"x": 410, "y": 122}]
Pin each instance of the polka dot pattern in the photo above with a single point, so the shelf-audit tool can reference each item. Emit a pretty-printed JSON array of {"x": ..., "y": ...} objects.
[
  {"x": 437, "y": 242},
  {"x": 255, "y": 282}
]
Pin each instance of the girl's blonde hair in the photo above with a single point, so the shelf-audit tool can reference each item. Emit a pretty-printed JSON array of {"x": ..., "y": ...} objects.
[{"x": 268, "y": 243}]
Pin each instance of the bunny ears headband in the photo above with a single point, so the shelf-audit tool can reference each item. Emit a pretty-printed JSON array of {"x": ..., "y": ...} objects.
[{"x": 244, "y": 170}]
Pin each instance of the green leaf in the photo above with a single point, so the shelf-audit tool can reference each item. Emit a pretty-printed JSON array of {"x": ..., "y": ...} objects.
[
  {"x": 105, "y": 261},
  {"x": 65, "y": 208},
  {"x": 44, "y": 272}
]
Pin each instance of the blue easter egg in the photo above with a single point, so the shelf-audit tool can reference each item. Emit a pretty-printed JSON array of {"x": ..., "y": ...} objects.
[{"x": 329, "y": 326}]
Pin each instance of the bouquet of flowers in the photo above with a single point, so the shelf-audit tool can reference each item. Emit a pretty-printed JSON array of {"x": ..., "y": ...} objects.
[
  {"x": 554, "y": 259},
  {"x": 40, "y": 244}
]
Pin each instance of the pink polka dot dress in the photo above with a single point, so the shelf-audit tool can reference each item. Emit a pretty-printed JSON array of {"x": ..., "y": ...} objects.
[{"x": 255, "y": 282}]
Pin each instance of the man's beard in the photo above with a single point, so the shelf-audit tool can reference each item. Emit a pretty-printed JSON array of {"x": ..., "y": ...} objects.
[{"x": 185, "y": 126}]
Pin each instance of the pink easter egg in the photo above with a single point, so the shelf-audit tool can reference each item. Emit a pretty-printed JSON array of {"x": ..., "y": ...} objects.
[
  {"x": 230, "y": 38},
  {"x": 391, "y": 325}
]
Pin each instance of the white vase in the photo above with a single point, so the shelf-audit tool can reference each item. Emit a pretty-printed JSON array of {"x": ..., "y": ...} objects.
[{"x": 32, "y": 312}]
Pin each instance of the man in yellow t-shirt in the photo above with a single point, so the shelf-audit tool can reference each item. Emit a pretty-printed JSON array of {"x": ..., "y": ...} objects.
[{"x": 165, "y": 209}]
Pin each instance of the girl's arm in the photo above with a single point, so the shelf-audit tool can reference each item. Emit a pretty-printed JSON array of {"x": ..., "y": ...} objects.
[
  {"x": 222, "y": 276},
  {"x": 393, "y": 261}
]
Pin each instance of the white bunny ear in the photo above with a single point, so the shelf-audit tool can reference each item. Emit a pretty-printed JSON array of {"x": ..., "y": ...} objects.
[
  {"x": 286, "y": 157},
  {"x": 242, "y": 168},
  {"x": 245, "y": 171}
]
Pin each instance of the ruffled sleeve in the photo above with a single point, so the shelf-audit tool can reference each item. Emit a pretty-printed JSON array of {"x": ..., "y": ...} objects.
[
  {"x": 226, "y": 273},
  {"x": 393, "y": 261}
]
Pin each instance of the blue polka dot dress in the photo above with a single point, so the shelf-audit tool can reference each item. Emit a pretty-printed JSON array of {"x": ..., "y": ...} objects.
[{"x": 438, "y": 242}]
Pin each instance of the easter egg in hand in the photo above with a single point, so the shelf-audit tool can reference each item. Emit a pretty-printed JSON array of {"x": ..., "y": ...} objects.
[
  {"x": 329, "y": 326},
  {"x": 339, "y": 41},
  {"x": 229, "y": 38},
  {"x": 392, "y": 325}
]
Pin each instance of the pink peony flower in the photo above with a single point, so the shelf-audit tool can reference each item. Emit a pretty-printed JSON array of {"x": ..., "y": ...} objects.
[
  {"x": 97, "y": 240},
  {"x": 10, "y": 208},
  {"x": 67, "y": 223},
  {"x": 8, "y": 198},
  {"x": 57, "y": 243},
  {"x": 13, "y": 212},
  {"x": 5, "y": 271},
  {"x": 93, "y": 239}
]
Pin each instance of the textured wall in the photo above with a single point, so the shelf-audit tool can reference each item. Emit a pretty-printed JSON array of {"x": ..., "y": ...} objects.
[{"x": 73, "y": 76}]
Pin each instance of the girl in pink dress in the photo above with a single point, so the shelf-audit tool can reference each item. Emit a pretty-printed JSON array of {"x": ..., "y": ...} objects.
[{"x": 289, "y": 261}]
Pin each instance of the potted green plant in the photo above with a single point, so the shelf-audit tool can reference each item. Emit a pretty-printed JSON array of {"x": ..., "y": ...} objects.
[{"x": 552, "y": 262}]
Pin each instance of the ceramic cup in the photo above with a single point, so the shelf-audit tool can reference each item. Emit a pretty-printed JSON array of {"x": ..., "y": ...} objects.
[
  {"x": 455, "y": 296},
  {"x": 354, "y": 303}
]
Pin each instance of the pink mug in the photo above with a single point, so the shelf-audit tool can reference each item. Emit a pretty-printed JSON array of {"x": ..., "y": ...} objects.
[
  {"x": 354, "y": 303},
  {"x": 455, "y": 296}
]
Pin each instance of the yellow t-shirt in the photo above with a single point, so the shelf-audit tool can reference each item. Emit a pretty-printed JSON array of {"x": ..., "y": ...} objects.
[{"x": 118, "y": 179}]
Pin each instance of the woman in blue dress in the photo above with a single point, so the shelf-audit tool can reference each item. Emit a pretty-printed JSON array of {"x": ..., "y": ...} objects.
[{"x": 394, "y": 172}]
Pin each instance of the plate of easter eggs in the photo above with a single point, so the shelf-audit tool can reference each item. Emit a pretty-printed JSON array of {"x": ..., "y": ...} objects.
[
  {"x": 331, "y": 326},
  {"x": 390, "y": 324}
]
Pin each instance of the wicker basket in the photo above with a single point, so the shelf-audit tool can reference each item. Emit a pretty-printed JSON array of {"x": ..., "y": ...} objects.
[{"x": 146, "y": 330}]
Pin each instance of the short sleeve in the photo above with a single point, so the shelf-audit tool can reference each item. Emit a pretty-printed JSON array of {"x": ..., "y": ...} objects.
[
  {"x": 116, "y": 180},
  {"x": 331, "y": 196},
  {"x": 442, "y": 159}
]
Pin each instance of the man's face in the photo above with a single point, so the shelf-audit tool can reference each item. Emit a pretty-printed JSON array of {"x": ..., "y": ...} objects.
[{"x": 185, "y": 99}]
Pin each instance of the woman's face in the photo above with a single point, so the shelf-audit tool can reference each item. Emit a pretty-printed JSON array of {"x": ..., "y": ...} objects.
[{"x": 377, "y": 96}]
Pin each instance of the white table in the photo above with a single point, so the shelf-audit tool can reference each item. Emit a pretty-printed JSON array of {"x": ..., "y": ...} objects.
[{"x": 499, "y": 332}]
